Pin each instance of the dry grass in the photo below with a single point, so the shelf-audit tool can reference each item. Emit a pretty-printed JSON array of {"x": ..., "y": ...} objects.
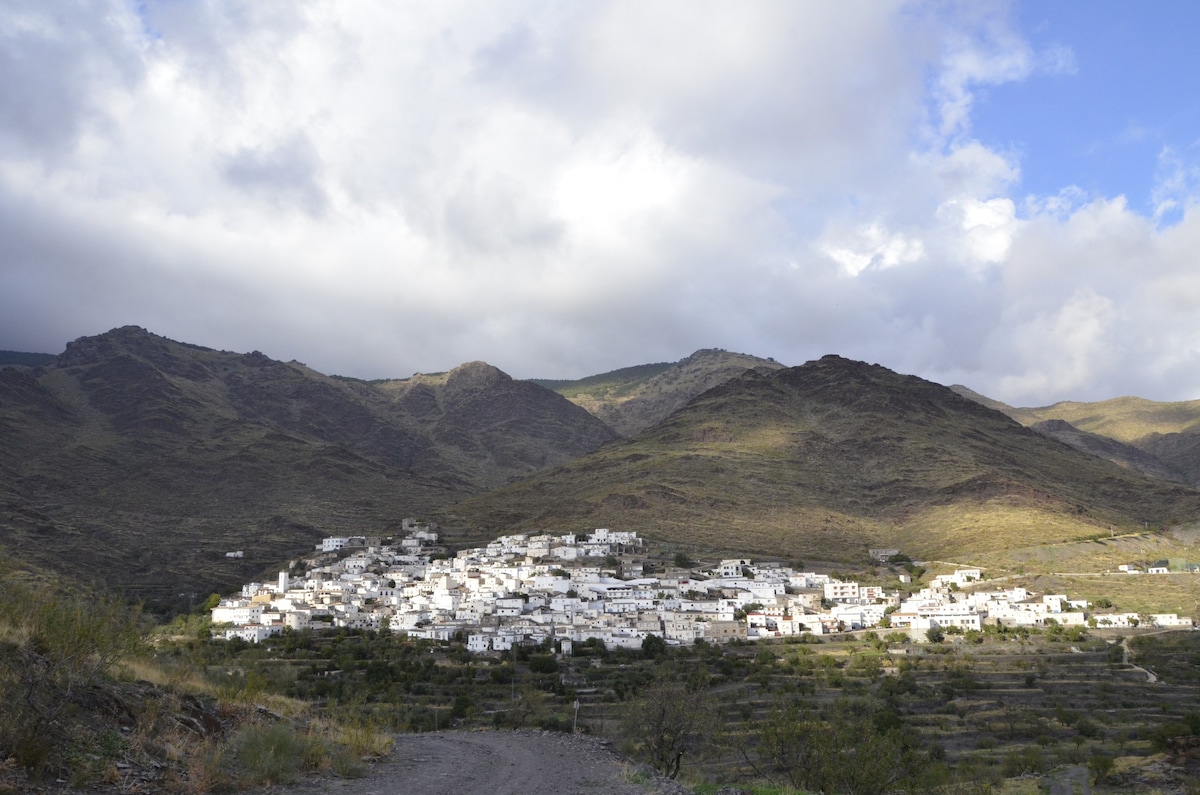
[
  {"x": 980, "y": 531},
  {"x": 180, "y": 677},
  {"x": 1103, "y": 553},
  {"x": 826, "y": 461},
  {"x": 1126, "y": 419}
]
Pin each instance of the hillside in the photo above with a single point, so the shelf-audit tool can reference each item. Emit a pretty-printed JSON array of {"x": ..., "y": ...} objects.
[
  {"x": 137, "y": 461},
  {"x": 828, "y": 459},
  {"x": 1161, "y": 440},
  {"x": 19, "y": 359},
  {"x": 633, "y": 399}
]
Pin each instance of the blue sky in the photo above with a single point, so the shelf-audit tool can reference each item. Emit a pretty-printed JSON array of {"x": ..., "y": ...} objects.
[
  {"x": 1127, "y": 105},
  {"x": 1002, "y": 195}
]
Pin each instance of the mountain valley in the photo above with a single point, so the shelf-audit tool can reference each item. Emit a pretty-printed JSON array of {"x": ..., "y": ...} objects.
[{"x": 135, "y": 461}]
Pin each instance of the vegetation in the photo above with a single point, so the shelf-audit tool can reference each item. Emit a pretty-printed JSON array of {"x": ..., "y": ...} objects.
[
  {"x": 829, "y": 459},
  {"x": 55, "y": 646},
  {"x": 971, "y": 711},
  {"x": 86, "y": 700},
  {"x": 633, "y": 399},
  {"x": 852, "y": 746},
  {"x": 25, "y": 359},
  {"x": 151, "y": 459},
  {"x": 140, "y": 462},
  {"x": 671, "y": 719}
]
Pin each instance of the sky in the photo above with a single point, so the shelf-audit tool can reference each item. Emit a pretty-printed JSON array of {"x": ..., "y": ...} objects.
[{"x": 1002, "y": 195}]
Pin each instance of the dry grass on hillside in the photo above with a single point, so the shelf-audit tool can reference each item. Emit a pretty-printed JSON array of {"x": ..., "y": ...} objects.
[
  {"x": 979, "y": 531},
  {"x": 1126, "y": 419}
]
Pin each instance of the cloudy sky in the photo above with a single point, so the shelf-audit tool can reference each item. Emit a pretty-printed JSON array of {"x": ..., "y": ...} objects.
[{"x": 1000, "y": 195}]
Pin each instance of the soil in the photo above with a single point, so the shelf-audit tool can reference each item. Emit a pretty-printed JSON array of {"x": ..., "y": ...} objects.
[{"x": 497, "y": 763}]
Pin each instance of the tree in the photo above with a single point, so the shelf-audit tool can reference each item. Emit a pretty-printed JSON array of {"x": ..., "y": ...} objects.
[
  {"x": 543, "y": 664},
  {"x": 1101, "y": 766},
  {"x": 854, "y": 748},
  {"x": 653, "y": 647},
  {"x": 671, "y": 719}
]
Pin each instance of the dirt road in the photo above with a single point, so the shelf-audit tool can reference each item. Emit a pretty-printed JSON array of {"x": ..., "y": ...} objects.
[{"x": 496, "y": 763}]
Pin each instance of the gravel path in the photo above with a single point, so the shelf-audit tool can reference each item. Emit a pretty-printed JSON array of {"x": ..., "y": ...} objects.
[{"x": 496, "y": 763}]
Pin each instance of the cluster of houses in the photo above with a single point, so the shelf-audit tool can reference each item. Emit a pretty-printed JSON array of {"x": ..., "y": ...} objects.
[{"x": 569, "y": 588}]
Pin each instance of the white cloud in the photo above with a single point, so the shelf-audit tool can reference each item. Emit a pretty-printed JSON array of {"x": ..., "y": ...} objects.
[
  {"x": 564, "y": 188},
  {"x": 1176, "y": 186},
  {"x": 873, "y": 246},
  {"x": 1064, "y": 350},
  {"x": 986, "y": 227}
]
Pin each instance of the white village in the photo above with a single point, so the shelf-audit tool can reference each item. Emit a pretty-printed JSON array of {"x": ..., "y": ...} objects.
[{"x": 530, "y": 589}]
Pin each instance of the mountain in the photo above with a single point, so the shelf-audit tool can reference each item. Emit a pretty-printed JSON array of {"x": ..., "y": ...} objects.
[
  {"x": 20, "y": 359},
  {"x": 1168, "y": 431},
  {"x": 828, "y": 459},
  {"x": 138, "y": 461},
  {"x": 1161, "y": 440},
  {"x": 633, "y": 399},
  {"x": 1121, "y": 454}
]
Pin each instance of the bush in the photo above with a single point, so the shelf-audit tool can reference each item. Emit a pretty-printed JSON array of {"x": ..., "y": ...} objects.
[
  {"x": 54, "y": 646},
  {"x": 1101, "y": 767},
  {"x": 543, "y": 664},
  {"x": 272, "y": 754},
  {"x": 1019, "y": 762}
]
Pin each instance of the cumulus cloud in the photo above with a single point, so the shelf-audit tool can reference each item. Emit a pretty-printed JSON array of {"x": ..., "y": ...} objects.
[{"x": 563, "y": 188}]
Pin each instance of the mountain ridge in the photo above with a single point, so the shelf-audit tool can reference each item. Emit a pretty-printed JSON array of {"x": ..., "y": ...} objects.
[
  {"x": 1155, "y": 438},
  {"x": 832, "y": 457},
  {"x": 137, "y": 459},
  {"x": 633, "y": 399},
  {"x": 130, "y": 447}
]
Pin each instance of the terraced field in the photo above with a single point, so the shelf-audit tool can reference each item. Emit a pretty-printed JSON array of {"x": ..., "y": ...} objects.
[{"x": 981, "y": 709}]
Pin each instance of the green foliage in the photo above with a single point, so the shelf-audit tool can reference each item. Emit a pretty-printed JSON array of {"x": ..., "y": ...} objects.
[
  {"x": 653, "y": 647},
  {"x": 54, "y": 645},
  {"x": 270, "y": 755},
  {"x": 1023, "y": 761},
  {"x": 670, "y": 720},
  {"x": 543, "y": 664},
  {"x": 854, "y": 747},
  {"x": 1101, "y": 766}
]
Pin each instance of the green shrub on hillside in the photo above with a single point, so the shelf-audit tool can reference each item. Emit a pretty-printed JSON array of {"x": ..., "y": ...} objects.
[{"x": 54, "y": 646}]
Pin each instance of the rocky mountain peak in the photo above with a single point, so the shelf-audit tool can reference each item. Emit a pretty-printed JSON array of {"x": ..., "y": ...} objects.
[{"x": 474, "y": 376}]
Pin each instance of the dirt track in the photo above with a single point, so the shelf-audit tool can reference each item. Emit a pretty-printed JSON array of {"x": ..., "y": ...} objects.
[{"x": 496, "y": 763}]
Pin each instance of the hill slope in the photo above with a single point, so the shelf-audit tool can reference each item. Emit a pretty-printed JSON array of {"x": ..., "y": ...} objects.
[
  {"x": 20, "y": 359},
  {"x": 139, "y": 461},
  {"x": 828, "y": 459},
  {"x": 633, "y": 399},
  {"x": 1168, "y": 431},
  {"x": 1161, "y": 440}
]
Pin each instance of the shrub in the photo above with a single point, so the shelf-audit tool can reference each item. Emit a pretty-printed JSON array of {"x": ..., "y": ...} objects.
[
  {"x": 269, "y": 755},
  {"x": 543, "y": 664},
  {"x": 1101, "y": 767},
  {"x": 54, "y": 646}
]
